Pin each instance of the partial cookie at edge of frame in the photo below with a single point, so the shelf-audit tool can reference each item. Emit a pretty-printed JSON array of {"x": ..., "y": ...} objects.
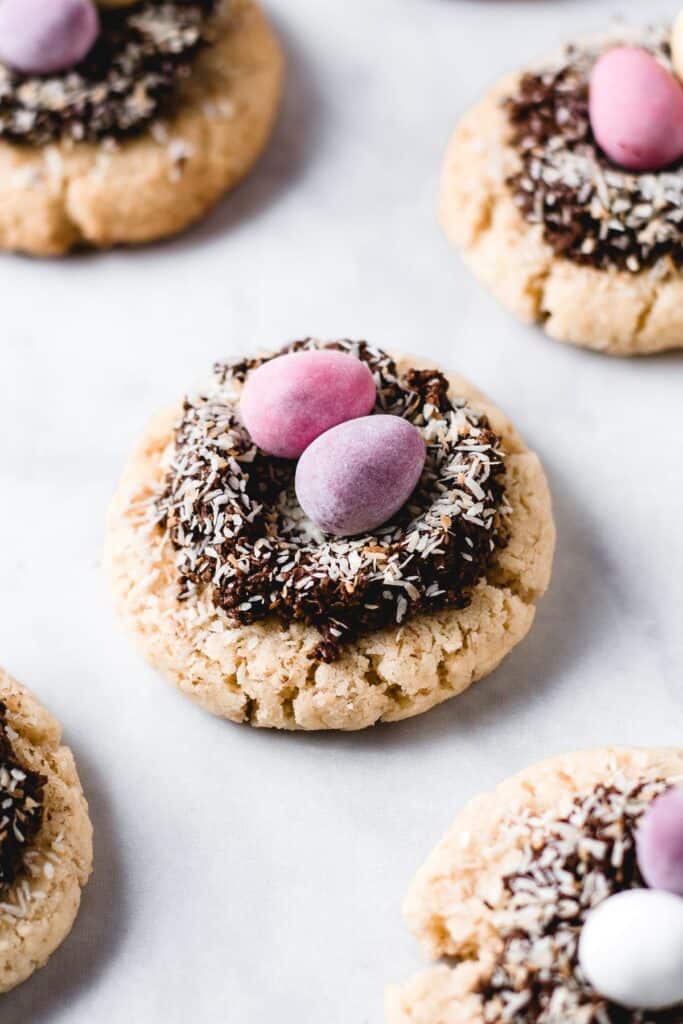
[
  {"x": 607, "y": 310},
  {"x": 446, "y": 907},
  {"x": 47, "y": 896},
  {"x": 54, "y": 198}
]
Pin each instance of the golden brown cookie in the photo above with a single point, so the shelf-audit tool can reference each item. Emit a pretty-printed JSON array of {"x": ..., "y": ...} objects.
[
  {"x": 629, "y": 305},
  {"x": 64, "y": 194},
  {"x": 501, "y": 900},
  {"x": 271, "y": 673},
  {"x": 38, "y": 905}
]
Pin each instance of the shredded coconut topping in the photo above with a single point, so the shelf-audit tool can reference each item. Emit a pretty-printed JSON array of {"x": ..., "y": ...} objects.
[{"x": 231, "y": 513}]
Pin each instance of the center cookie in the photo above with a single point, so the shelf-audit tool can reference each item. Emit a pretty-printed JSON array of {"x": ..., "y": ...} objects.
[
  {"x": 125, "y": 122},
  {"x": 282, "y": 617},
  {"x": 564, "y": 190},
  {"x": 538, "y": 898}
]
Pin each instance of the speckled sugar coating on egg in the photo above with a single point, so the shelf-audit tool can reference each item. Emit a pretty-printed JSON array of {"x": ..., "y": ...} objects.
[
  {"x": 355, "y": 477},
  {"x": 289, "y": 401},
  {"x": 636, "y": 109}
]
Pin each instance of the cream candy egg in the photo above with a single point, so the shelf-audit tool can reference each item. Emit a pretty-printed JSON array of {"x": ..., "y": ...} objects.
[
  {"x": 636, "y": 109},
  {"x": 631, "y": 949}
]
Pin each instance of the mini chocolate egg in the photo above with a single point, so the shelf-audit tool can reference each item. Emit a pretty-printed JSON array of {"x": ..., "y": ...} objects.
[
  {"x": 660, "y": 843},
  {"x": 631, "y": 949},
  {"x": 356, "y": 476},
  {"x": 677, "y": 44},
  {"x": 636, "y": 109},
  {"x": 41, "y": 37},
  {"x": 289, "y": 401}
]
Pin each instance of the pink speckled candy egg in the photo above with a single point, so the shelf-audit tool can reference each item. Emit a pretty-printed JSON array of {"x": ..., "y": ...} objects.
[
  {"x": 636, "y": 110},
  {"x": 40, "y": 37},
  {"x": 660, "y": 843},
  {"x": 289, "y": 401},
  {"x": 356, "y": 476}
]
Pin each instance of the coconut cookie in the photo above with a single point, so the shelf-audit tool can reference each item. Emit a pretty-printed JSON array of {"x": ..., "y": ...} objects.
[
  {"x": 396, "y": 562},
  {"x": 563, "y": 187},
  {"x": 45, "y": 835},
  {"x": 556, "y": 898},
  {"x": 125, "y": 122}
]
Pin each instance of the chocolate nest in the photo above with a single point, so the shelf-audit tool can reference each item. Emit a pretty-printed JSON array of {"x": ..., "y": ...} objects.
[
  {"x": 128, "y": 78},
  {"x": 231, "y": 515},
  {"x": 592, "y": 212},
  {"x": 21, "y": 806}
]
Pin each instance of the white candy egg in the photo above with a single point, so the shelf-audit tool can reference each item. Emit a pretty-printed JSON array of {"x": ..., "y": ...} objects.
[
  {"x": 631, "y": 949},
  {"x": 677, "y": 45}
]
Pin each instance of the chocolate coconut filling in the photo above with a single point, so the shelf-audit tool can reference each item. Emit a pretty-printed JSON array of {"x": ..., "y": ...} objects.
[
  {"x": 231, "y": 514},
  {"x": 592, "y": 211},
  {"x": 127, "y": 79},
  {"x": 21, "y": 806},
  {"x": 583, "y": 858}
]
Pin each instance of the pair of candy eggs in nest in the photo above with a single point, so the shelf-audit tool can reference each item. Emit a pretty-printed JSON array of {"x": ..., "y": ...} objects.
[
  {"x": 636, "y": 106},
  {"x": 355, "y": 471},
  {"x": 631, "y": 946},
  {"x": 42, "y": 37}
]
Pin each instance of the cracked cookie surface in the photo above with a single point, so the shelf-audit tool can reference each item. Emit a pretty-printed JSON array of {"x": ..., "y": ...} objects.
[
  {"x": 64, "y": 195},
  {"x": 268, "y": 673},
  {"x": 611, "y": 310},
  {"x": 38, "y": 909},
  {"x": 501, "y": 900}
]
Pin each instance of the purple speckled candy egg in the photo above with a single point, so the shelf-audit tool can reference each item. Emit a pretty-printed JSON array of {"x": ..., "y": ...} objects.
[
  {"x": 358, "y": 475},
  {"x": 636, "y": 109},
  {"x": 40, "y": 37},
  {"x": 660, "y": 843},
  {"x": 289, "y": 401}
]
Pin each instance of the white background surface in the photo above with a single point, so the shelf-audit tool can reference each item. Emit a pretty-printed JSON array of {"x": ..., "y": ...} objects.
[{"x": 245, "y": 876}]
